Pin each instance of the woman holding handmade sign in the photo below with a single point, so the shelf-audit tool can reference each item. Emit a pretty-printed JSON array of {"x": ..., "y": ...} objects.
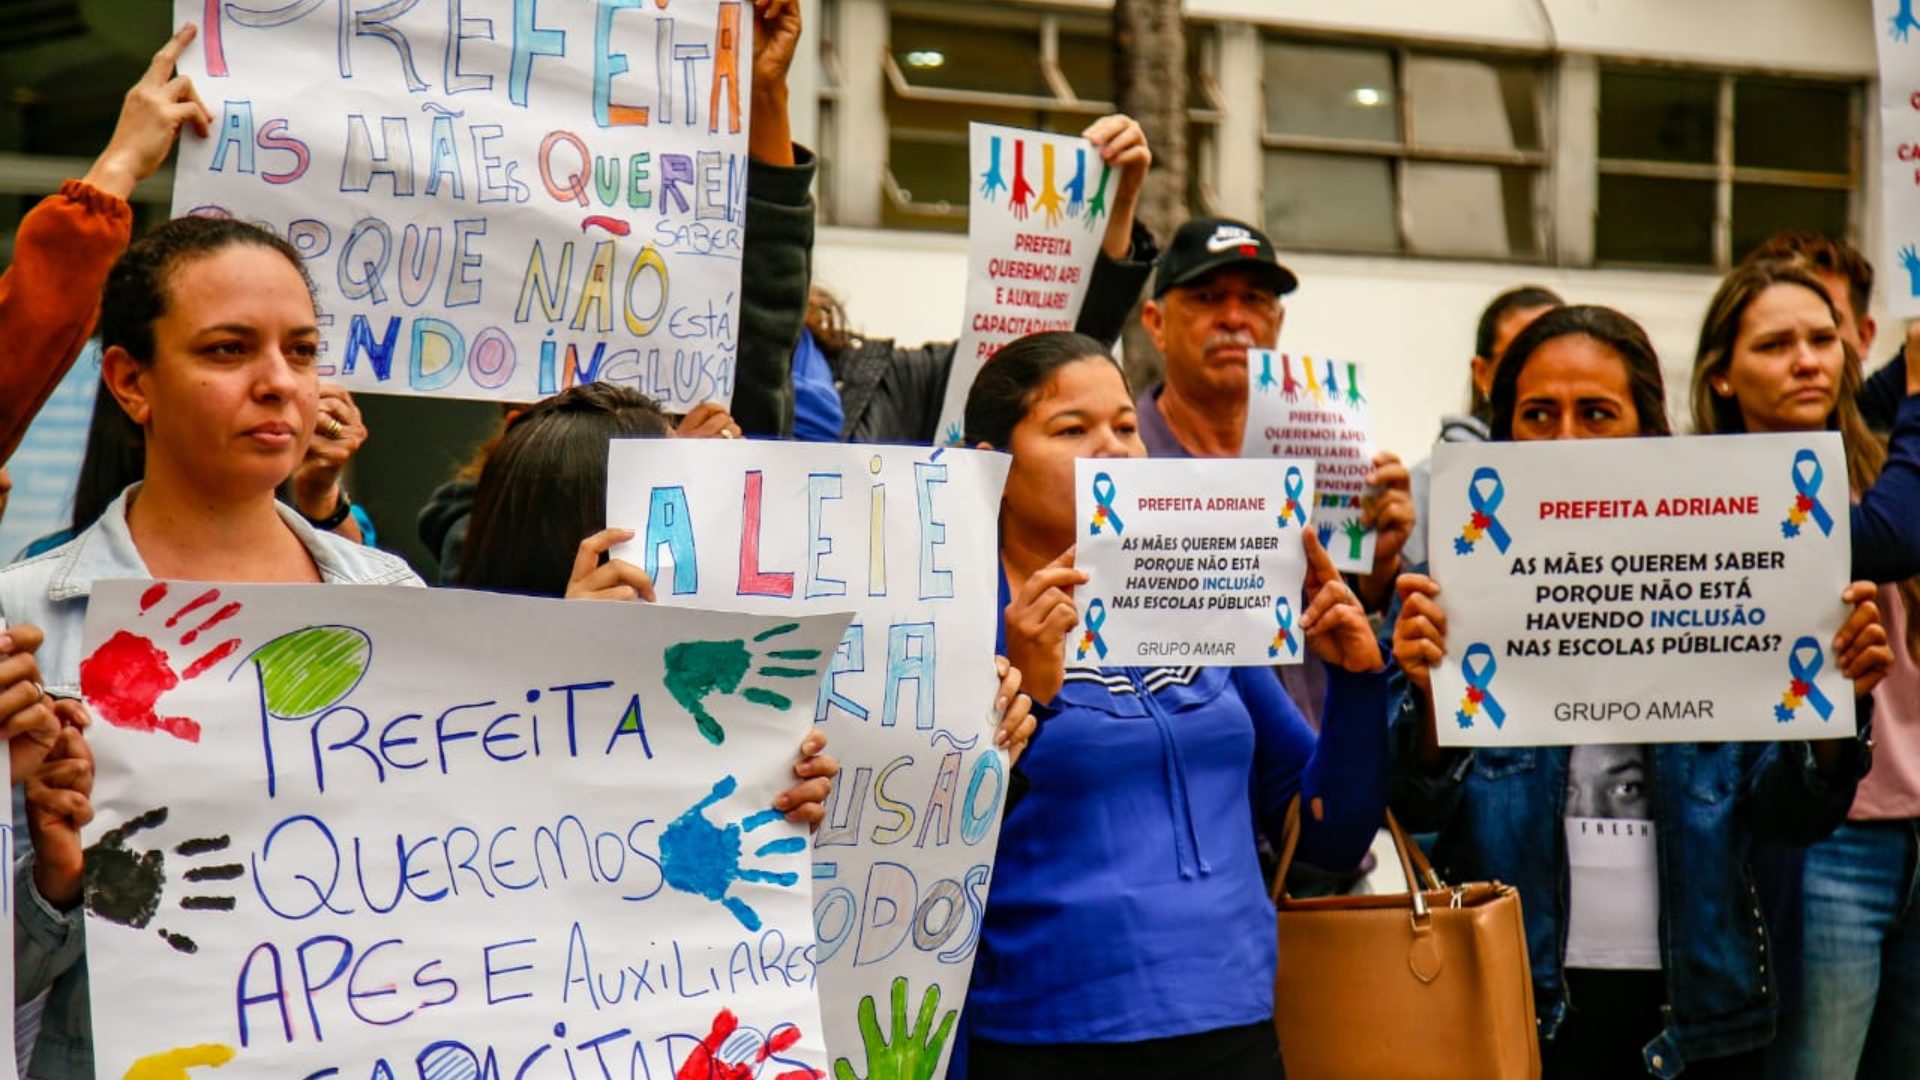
[
  {"x": 1771, "y": 358},
  {"x": 1647, "y": 948},
  {"x": 545, "y": 486},
  {"x": 210, "y": 342},
  {"x": 1128, "y": 932}
]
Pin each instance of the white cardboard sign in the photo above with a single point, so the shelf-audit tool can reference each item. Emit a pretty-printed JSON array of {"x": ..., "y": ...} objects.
[
  {"x": 1037, "y": 215},
  {"x": 1641, "y": 590},
  {"x": 907, "y": 538},
  {"x": 1190, "y": 561},
  {"x": 1310, "y": 406},
  {"x": 400, "y": 832},
  {"x": 496, "y": 199}
]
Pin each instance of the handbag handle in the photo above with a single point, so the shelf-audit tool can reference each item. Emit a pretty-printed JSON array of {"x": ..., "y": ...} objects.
[{"x": 1413, "y": 861}]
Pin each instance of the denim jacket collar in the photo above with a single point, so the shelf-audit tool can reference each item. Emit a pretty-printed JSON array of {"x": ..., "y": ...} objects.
[{"x": 105, "y": 551}]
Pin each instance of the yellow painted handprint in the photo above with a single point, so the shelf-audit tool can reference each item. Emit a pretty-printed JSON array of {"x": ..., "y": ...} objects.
[
  {"x": 1049, "y": 200},
  {"x": 173, "y": 1064}
]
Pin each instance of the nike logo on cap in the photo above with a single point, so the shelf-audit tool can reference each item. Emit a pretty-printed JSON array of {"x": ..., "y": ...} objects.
[{"x": 1230, "y": 236}]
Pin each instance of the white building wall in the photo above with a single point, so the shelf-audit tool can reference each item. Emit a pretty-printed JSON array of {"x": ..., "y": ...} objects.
[{"x": 1411, "y": 319}]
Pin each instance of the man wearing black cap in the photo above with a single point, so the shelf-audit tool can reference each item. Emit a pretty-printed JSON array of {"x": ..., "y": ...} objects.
[{"x": 1216, "y": 296}]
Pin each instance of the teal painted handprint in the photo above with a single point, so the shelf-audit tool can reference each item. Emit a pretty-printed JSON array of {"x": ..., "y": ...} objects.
[
  {"x": 991, "y": 180},
  {"x": 699, "y": 857},
  {"x": 911, "y": 1055},
  {"x": 698, "y": 669}
]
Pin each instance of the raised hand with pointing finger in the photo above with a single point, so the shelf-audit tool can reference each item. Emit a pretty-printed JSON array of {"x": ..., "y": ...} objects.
[{"x": 155, "y": 110}]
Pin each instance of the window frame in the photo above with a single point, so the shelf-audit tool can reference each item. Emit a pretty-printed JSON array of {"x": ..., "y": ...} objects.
[
  {"x": 1722, "y": 172},
  {"x": 1406, "y": 152},
  {"x": 1203, "y": 122}
]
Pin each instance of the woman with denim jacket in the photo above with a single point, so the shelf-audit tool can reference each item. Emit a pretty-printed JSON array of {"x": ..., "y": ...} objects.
[
  {"x": 1648, "y": 947},
  {"x": 210, "y": 343},
  {"x": 1772, "y": 358},
  {"x": 1128, "y": 931}
]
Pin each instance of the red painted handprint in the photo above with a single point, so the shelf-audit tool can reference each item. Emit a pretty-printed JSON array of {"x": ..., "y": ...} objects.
[
  {"x": 1022, "y": 191},
  {"x": 732, "y": 1053},
  {"x": 125, "y": 677}
]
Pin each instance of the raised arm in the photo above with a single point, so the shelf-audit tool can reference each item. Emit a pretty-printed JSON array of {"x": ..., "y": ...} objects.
[{"x": 66, "y": 245}]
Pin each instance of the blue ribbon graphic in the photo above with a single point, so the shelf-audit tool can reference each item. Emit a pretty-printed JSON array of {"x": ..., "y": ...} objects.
[
  {"x": 1488, "y": 506},
  {"x": 1104, "y": 513},
  {"x": 1283, "y": 619},
  {"x": 1091, "y": 639},
  {"x": 1808, "y": 488},
  {"x": 1477, "y": 666},
  {"x": 1296, "y": 488},
  {"x": 1803, "y": 672}
]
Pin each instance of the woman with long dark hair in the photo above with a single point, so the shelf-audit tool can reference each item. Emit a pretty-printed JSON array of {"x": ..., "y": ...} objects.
[{"x": 1649, "y": 957}]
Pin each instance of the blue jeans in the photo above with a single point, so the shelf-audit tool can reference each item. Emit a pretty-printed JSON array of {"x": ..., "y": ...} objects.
[{"x": 1860, "y": 1013}]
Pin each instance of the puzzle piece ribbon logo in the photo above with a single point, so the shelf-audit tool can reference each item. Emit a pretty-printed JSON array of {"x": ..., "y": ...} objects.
[
  {"x": 1294, "y": 509},
  {"x": 1283, "y": 634},
  {"x": 1808, "y": 475},
  {"x": 1104, "y": 514},
  {"x": 1485, "y": 492},
  {"x": 1090, "y": 639},
  {"x": 1478, "y": 667},
  {"x": 1804, "y": 662}
]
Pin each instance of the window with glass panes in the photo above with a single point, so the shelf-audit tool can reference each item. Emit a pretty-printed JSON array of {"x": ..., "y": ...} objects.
[
  {"x": 1697, "y": 168},
  {"x": 1026, "y": 69},
  {"x": 1373, "y": 148}
]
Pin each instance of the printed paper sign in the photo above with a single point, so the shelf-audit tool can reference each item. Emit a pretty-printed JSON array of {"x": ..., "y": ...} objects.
[
  {"x": 906, "y": 537},
  {"x": 1313, "y": 407},
  {"x": 1641, "y": 590},
  {"x": 1190, "y": 561},
  {"x": 355, "y": 831},
  {"x": 1899, "y": 47},
  {"x": 495, "y": 199},
  {"x": 1035, "y": 221}
]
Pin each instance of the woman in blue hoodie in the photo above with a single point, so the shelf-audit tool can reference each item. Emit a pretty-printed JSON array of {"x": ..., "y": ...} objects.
[{"x": 1128, "y": 932}]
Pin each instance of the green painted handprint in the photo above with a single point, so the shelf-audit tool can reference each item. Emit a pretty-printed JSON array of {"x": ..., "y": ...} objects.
[
  {"x": 1356, "y": 535},
  {"x": 912, "y": 1055},
  {"x": 1098, "y": 207},
  {"x": 698, "y": 669}
]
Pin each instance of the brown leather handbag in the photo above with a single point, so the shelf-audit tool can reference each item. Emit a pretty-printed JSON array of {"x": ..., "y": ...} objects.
[{"x": 1426, "y": 985}]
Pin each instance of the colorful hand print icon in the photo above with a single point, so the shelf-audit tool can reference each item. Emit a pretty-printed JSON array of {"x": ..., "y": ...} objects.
[
  {"x": 125, "y": 886},
  {"x": 173, "y": 1064},
  {"x": 734, "y": 1052},
  {"x": 696, "y": 670},
  {"x": 702, "y": 858},
  {"x": 125, "y": 677},
  {"x": 910, "y": 1055}
]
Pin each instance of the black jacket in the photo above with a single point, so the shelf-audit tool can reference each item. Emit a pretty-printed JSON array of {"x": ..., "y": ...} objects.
[
  {"x": 893, "y": 395},
  {"x": 775, "y": 268}
]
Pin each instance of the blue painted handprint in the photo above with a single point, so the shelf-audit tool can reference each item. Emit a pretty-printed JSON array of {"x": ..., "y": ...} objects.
[
  {"x": 1076, "y": 188},
  {"x": 991, "y": 180},
  {"x": 699, "y": 857},
  {"x": 1267, "y": 381},
  {"x": 1910, "y": 259},
  {"x": 1903, "y": 24}
]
